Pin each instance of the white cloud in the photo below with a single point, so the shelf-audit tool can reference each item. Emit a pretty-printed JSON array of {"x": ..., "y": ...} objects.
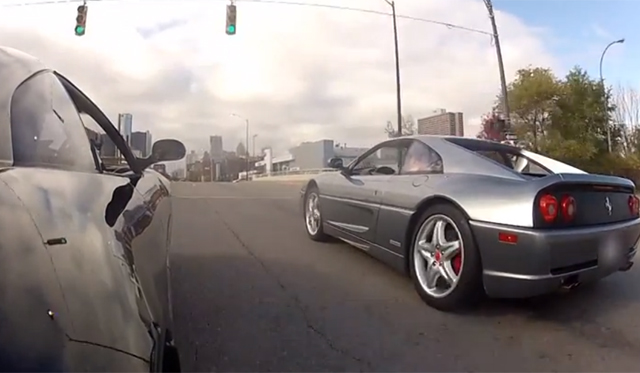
[{"x": 297, "y": 72}]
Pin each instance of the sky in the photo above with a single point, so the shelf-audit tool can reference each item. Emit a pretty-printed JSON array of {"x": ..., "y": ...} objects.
[{"x": 304, "y": 73}]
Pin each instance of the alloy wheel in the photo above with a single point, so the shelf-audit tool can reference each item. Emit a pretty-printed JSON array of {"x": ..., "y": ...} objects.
[
  {"x": 312, "y": 214},
  {"x": 438, "y": 256}
]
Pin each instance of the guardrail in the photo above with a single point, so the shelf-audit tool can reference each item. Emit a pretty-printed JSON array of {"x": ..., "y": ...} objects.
[{"x": 311, "y": 171}]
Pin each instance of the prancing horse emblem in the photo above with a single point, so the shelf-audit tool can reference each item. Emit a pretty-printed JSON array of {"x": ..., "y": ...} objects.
[{"x": 607, "y": 204}]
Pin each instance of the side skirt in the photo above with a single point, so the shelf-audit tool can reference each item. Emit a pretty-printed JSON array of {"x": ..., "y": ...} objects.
[{"x": 390, "y": 258}]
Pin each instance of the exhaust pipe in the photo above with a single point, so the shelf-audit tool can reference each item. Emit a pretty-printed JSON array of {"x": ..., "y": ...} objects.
[
  {"x": 570, "y": 283},
  {"x": 626, "y": 267}
]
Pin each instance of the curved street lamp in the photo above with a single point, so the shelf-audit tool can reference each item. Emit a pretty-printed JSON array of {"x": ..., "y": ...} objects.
[{"x": 606, "y": 102}]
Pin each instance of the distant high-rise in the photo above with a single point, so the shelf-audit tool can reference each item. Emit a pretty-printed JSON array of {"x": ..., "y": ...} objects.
[
  {"x": 140, "y": 141},
  {"x": 149, "y": 143},
  {"x": 215, "y": 148},
  {"x": 192, "y": 157},
  {"x": 442, "y": 123},
  {"x": 108, "y": 148},
  {"x": 125, "y": 125}
]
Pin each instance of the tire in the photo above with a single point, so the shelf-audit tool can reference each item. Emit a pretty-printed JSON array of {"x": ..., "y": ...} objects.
[
  {"x": 464, "y": 269},
  {"x": 315, "y": 233},
  {"x": 170, "y": 355}
]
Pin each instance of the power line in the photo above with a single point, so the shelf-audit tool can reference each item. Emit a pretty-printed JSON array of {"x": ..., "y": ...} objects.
[{"x": 280, "y": 2}]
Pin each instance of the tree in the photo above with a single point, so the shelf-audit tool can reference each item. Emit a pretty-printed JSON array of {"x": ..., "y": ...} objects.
[
  {"x": 408, "y": 127},
  {"x": 580, "y": 120},
  {"x": 492, "y": 127},
  {"x": 567, "y": 119},
  {"x": 626, "y": 116},
  {"x": 532, "y": 96},
  {"x": 241, "y": 151}
]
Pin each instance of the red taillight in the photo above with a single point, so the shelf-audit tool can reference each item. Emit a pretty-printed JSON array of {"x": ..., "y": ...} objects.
[
  {"x": 634, "y": 205},
  {"x": 568, "y": 208},
  {"x": 548, "y": 207}
]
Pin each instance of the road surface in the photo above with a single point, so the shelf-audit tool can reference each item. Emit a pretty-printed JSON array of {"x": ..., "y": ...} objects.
[{"x": 252, "y": 293}]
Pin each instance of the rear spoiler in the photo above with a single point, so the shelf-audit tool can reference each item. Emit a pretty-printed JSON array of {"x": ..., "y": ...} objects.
[{"x": 585, "y": 179}]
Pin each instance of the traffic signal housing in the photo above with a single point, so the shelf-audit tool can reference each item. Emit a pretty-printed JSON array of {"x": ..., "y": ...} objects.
[
  {"x": 81, "y": 20},
  {"x": 231, "y": 19}
]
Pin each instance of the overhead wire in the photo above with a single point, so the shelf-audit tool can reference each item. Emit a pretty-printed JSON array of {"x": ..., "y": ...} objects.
[{"x": 280, "y": 2}]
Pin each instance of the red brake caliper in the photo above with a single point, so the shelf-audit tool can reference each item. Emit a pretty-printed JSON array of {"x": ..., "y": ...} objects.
[{"x": 456, "y": 263}]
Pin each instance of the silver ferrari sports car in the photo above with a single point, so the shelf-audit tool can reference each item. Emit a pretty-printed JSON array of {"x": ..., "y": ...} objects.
[{"x": 467, "y": 217}]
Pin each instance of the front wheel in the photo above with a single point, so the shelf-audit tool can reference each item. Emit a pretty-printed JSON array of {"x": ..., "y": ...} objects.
[
  {"x": 445, "y": 264},
  {"x": 312, "y": 215}
]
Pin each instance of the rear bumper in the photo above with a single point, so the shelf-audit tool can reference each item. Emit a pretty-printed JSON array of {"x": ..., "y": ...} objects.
[{"x": 542, "y": 260}]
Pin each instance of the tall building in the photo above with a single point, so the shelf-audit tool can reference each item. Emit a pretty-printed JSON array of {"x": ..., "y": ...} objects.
[
  {"x": 215, "y": 148},
  {"x": 140, "y": 142},
  {"x": 192, "y": 157},
  {"x": 149, "y": 144},
  {"x": 125, "y": 125},
  {"x": 108, "y": 148},
  {"x": 442, "y": 123}
]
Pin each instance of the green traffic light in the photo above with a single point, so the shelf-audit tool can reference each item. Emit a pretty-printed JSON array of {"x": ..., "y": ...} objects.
[
  {"x": 79, "y": 30},
  {"x": 231, "y": 29}
]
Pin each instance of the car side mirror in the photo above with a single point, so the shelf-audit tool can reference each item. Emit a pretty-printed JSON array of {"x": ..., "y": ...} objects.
[
  {"x": 336, "y": 163},
  {"x": 165, "y": 150}
]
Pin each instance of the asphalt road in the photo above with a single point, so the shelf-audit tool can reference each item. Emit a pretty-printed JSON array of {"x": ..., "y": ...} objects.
[{"x": 252, "y": 293}]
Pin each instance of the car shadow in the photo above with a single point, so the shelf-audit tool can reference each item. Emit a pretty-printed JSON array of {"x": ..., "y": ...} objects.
[
  {"x": 242, "y": 314},
  {"x": 589, "y": 301}
]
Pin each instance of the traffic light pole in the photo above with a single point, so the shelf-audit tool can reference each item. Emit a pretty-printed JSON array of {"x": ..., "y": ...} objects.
[{"x": 392, "y": 4}]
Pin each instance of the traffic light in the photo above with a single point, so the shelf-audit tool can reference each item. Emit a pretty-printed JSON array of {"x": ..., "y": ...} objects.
[
  {"x": 81, "y": 20},
  {"x": 231, "y": 19}
]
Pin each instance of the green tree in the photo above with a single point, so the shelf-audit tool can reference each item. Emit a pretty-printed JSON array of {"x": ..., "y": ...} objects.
[
  {"x": 582, "y": 109},
  {"x": 567, "y": 119},
  {"x": 532, "y": 96}
]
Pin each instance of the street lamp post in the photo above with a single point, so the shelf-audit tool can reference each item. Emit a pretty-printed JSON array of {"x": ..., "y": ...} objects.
[
  {"x": 246, "y": 147},
  {"x": 392, "y": 4},
  {"x": 503, "y": 80},
  {"x": 254, "y": 144},
  {"x": 606, "y": 103}
]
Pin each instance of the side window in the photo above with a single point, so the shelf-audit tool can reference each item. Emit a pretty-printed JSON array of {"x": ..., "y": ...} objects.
[
  {"x": 421, "y": 159},
  {"x": 383, "y": 161},
  {"x": 46, "y": 129}
]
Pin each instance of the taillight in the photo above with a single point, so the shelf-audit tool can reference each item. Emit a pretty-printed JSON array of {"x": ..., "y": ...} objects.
[
  {"x": 634, "y": 205},
  {"x": 568, "y": 208},
  {"x": 548, "y": 207}
]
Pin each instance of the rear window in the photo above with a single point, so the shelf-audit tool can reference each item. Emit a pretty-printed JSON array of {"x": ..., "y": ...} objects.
[{"x": 506, "y": 155}]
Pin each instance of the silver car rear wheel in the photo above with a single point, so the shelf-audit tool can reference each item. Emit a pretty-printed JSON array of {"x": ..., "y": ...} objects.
[
  {"x": 312, "y": 214},
  {"x": 438, "y": 256}
]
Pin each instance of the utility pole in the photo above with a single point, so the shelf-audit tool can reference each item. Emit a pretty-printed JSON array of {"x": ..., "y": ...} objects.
[
  {"x": 392, "y": 4},
  {"x": 503, "y": 80},
  {"x": 246, "y": 149},
  {"x": 604, "y": 92}
]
